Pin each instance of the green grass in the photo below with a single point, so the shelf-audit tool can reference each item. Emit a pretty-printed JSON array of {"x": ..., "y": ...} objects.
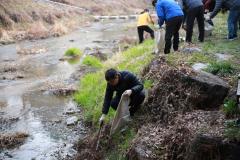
[
  {"x": 73, "y": 52},
  {"x": 190, "y": 59},
  {"x": 123, "y": 143},
  {"x": 92, "y": 61},
  {"x": 222, "y": 68},
  {"x": 148, "y": 84},
  {"x": 230, "y": 108}
]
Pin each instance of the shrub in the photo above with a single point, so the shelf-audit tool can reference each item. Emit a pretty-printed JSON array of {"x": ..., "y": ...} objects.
[
  {"x": 221, "y": 68},
  {"x": 74, "y": 52},
  {"x": 92, "y": 61},
  {"x": 230, "y": 108}
]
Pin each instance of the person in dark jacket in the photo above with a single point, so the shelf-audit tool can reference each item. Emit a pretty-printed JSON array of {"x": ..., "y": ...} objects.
[
  {"x": 234, "y": 15},
  {"x": 194, "y": 9},
  {"x": 169, "y": 11},
  {"x": 122, "y": 82}
]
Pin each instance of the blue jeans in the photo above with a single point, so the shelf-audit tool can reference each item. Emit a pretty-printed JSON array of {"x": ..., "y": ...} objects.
[{"x": 233, "y": 18}]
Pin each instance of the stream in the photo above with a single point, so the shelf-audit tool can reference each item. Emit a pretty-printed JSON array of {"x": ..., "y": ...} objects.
[{"x": 30, "y": 109}]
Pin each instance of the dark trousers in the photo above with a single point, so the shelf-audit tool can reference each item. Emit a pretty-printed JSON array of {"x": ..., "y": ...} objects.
[
  {"x": 233, "y": 19},
  {"x": 172, "y": 30},
  {"x": 135, "y": 102},
  {"x": 197, "y": 13},
  {"x": 141, "y": 30}
]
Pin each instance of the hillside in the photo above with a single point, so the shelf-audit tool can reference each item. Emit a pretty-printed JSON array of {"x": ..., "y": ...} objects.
[
  {"x": 28, "y": 19},
  {"x": 108, "y": 7}
]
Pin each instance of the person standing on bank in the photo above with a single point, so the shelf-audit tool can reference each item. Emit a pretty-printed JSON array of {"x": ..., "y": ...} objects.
[
  {"x": 170, "y": 12},
  {"x": 144, "y": 20},
  {"x": 122, "y": 82},
  {"x": 234, "y": 15},
  {"x": 194, "y": 9}
]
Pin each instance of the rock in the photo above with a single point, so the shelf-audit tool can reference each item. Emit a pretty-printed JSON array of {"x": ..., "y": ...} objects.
[
  {"x": 191, "y": 50},
  {"x": 72, "y": 108},
  {"x": 96, "y": 53},
  {"x": 223, "y": 57},
  {"x": 56, "y": 120},
  {"x": 72, "y": 120},
  {"x": 32, "y": 51},
  {"x": 8, "y": 155},
  {"x": 199, "y": 66},
  {"x": 204, "y": 147},
  {"x": 137, "y": 153},
  {"x": 212, "y": 92},
  {"x": 72, "y": 111}
]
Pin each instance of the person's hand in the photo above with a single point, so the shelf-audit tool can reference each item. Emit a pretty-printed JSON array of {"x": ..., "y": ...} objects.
[
  {"x": 128, "y": 92},
  {"x": 101, "y": 120}
]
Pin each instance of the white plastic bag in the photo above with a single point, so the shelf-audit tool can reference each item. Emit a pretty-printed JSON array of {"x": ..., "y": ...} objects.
[
  {"x": 122, "y": 115},
  {"x": 208, "y": 29},
  {"x": 159, "y": 40}
]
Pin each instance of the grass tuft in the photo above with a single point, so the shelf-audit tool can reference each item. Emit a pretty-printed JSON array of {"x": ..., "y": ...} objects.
[
  {"x": 230, "y": 108},
  {"x": 92, "y": 61},
  {"x": 221, "y": 68},
  {"x": 73, "y": 52}
]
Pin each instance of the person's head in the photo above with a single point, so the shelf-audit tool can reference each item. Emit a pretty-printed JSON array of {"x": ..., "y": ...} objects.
[
  {"x": 112, "y": 76},
  {"x": 154, "y": 3},
  {"x": 146, "y": 10}
]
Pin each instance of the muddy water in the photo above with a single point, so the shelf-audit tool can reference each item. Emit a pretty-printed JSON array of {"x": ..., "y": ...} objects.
[{"x": 40, "y": 114}]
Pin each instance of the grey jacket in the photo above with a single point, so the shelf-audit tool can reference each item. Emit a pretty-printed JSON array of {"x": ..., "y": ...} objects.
[
  {"x": 190, "y": 4},
  {"x": 227, "y": 4}
]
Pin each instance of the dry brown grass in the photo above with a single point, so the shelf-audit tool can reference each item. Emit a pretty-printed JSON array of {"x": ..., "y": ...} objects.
[
  {"x": 108, "y": 7},
  {"x": 5, "y": 38},
  {"x": 18, "y": 16},
  {"x": 5, "y": 21},
  {"x": 58, "y": 30},
  {"x": 37, "y": 31}
]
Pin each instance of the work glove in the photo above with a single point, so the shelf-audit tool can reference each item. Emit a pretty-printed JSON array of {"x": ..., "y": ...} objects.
[
  {"x": 128, "y": 92},
  {"x": 101, "y": 120},
  {"x": 207, "y": 17}
]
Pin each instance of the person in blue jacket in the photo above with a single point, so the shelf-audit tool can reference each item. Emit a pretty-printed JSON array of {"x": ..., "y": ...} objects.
[{"x": 170, "y": 12}]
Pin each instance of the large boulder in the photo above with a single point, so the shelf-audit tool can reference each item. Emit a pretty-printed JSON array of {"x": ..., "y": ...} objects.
[
  {"x": 207, "y": 148},
  {"x": 212, "y": 89}
]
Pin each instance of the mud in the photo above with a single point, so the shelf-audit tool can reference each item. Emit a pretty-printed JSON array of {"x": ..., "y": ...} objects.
[
  {"x": 12, "y": 140},
  {"x": 87, "y": 147}
]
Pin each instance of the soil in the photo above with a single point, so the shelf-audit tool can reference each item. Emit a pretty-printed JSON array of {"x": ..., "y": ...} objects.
[{"x": 12, "y": 140}]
